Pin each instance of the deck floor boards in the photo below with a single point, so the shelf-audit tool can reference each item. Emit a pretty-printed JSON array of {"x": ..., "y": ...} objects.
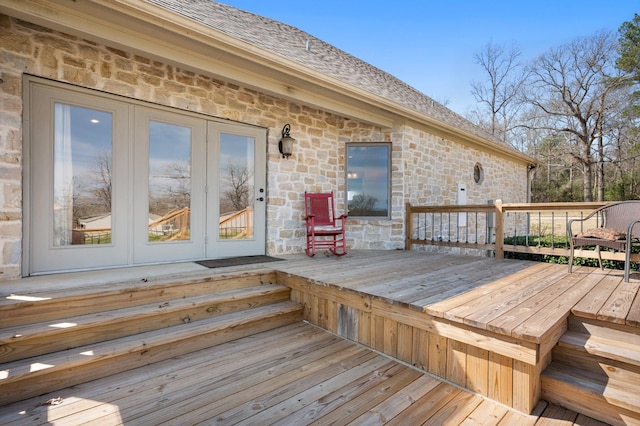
[
  {"x": 516, "y": 298},
  {"x": 301, "y": 375},
  {"x": 304, "y": 375}
]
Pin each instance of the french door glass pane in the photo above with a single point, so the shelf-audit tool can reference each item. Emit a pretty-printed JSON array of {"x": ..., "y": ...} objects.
[
  {"x": 169, "y": 182},
  {"x": 82, "y": 175},
  {"x": 236, "y": 180}
]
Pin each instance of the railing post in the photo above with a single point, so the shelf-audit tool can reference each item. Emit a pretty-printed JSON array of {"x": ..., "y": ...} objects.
[
  {"x": 499, "y": 243},
  {"x": 408, "y": 227}
]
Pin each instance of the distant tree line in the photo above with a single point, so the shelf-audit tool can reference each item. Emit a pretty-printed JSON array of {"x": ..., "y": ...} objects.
[{"x": 575, "y": 109}]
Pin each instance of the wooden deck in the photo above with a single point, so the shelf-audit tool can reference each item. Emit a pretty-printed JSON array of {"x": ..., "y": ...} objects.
[
  {"x": 499, "y": 318},
  {"x": 300, "y": 375}
]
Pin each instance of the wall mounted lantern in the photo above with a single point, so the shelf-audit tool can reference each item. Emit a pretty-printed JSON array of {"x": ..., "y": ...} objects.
[{"x": 286, "y": 143}]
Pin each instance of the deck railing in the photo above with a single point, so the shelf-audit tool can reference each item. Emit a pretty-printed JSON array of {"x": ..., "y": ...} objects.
[{"x": 534, "y": 228}]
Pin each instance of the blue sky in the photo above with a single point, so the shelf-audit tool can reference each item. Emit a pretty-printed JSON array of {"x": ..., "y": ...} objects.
[{"x": 431, "y": 44}]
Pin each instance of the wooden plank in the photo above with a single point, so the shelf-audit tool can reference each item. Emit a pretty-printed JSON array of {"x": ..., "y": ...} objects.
[
  {"x": 582, "y": 420},
  {"x": 397, "y": 403},
  {"x": 420, "y": 350},
  {"x": 285, "y": 340},
  {"x": 521, "y": 419},
  {"x": 477, "y": 370},
  {"x": 313, "y": 309},
  {"x": 81, "y": 301},
  {"x": 378, "y": 332},
  {"x": 618, "y": 305},
  {"x": 456, "y": 410},
  {"x": 559, "y": 386},
  {"x": 69, "y": 367},
  {"x": 405, "y": 343},
  {"x": 607, "y": 330},
  {"x": 37, "y": 339},
  {"x": 437, "y": 355},
  {"x": 514, "y": 347},
  {"x": 365, "y": 329},
  {"x": 347, "y": 325},
  {"x": 544, "y": 322},
  {"x": 411, "y": 281},
  {"x": 500, "y": 379},
  {"x": 633, "y": 319},
  {"x": 390, "y": 346},
  {"x": 439, "y": 309},
  {"x": 467, "y": 281},
  {"x": 323, "y": 312},
  {"x": 526, "y": 307},
  {"x": 486, "y": 413},
  {"x": 483, "y": 310},
  {"x": 555, "y": 414},
  {"x": 332, "y": 316},
  {"x": 184, "y": 395},
  {"x": 456, "y": 362},
  {"x": 618, "y": 350},
  {"x": 332, "y": 293},
  {"x": 342, "y": 408},
  {"x": 426, "y": 407},
  {"x": 526, "y": 386},
  {"x": 591, "y": 303},
  {"x": 236, "y": 399},
  {"x": 277, "y": 406}
]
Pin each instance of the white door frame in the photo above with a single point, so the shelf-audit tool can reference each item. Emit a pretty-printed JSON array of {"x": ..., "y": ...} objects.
[{"x": 130, "y": 163}]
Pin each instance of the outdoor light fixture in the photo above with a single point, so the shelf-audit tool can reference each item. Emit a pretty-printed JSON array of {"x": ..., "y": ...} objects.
[{"x": 286, "y": 143}]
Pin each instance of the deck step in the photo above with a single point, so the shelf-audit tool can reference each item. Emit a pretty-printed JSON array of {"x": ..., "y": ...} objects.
[
  {"x": 591, "y": 393},
  {"x": 23, "y": 341},
  {"x": 35, "y": 307},
  {"x": 45, "y": 373},
  {"x": 614, "y": 349},
  {"x": 596, "y": 374}
]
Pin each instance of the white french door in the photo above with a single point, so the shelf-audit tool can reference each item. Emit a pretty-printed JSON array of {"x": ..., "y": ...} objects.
[
  {"x": 112, "y": 183},
  {"x": 236, "y": 222}
]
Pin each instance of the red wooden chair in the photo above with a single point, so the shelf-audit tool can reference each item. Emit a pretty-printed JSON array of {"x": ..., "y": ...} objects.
[{"x": 324, "y": 230}]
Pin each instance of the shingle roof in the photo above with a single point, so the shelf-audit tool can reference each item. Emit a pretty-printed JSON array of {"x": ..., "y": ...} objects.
[{"x": 291, "y": 43}]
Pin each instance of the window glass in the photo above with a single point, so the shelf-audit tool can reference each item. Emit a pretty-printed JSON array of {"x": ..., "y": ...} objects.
[
  {"x": 169, "y": 182},
  {"x": 82, "y": 188},
  {"x": 368, "y": 185},
  {"x": 236, "y": 179}
]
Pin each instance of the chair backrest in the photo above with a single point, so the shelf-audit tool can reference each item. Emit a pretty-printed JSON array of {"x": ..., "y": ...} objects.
[
  {"x": 321, "y": 206},
  {"x": 620, "y": 215}
]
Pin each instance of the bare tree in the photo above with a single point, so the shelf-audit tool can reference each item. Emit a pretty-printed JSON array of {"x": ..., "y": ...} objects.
[
  {"x": 102, "y": 176},
  {"x": 573, "y": 85},
  {"x": 237, "y": 188},
  {"x": 498, "y": 95}
]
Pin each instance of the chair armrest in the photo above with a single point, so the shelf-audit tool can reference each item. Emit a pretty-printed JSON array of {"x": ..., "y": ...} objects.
[
  {"x": 630, "y": 230},
  {"x": 570, "y": 233}
]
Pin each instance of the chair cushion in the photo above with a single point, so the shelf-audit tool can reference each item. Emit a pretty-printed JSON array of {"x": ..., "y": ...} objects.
[{"x": 604, "y": 234}]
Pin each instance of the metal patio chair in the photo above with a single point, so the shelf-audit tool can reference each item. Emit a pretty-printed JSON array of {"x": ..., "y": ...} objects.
[
  {"x": 323, "y": 228},
  {"x": 618, "y": 229}
]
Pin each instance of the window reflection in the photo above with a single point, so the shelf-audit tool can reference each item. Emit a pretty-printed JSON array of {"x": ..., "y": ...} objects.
[
  {"x": 236, "y": 186},
  {"x": 368, "y": 174},
  {"x": 169, "y": 182},
  {"x": 82, "y": 175}
]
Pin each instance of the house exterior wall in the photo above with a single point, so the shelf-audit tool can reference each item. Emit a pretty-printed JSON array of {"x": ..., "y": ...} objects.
[{"x": 425, "y": 167}]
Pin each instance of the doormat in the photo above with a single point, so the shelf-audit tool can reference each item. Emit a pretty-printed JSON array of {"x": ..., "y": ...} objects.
[{"x": 235, "y": 261}]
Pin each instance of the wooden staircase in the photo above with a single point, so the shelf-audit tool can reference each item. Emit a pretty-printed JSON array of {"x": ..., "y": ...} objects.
[
  {"x": 58, "y": 339},
  {"x": 596, "y": 371}
]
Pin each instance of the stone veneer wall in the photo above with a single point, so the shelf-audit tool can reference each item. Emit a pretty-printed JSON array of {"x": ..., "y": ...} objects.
[{"x": 425, "y": 167}]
